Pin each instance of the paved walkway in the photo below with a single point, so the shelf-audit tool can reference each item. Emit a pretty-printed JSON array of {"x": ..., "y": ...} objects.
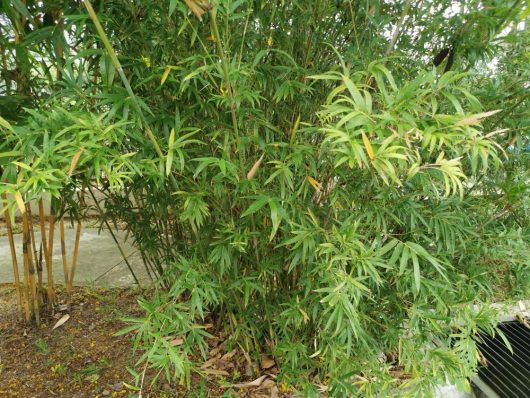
[{"x": 99, "y": 260}]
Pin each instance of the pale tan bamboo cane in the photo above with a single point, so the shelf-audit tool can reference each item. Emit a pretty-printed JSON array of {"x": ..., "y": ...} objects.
[
  {"x": 31, "y": 268},
  {"x": 37, "y": 260},
  {"x": 63, "y": 253},
  {"x": 74, "y": 259},
  {"x": 14, "y": 261},
  {"x": 50, "y": 251},
  {"x": 28, "y": 306},
  {"x": 49, "y": 285},
  {"x": 77, "y": 239}
]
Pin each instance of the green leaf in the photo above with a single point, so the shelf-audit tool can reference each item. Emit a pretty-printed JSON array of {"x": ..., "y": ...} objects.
[
  {"x": 275, "y": 218},
  {"x": 256, "y": 205},
  {"x": 172, "y": 6}
]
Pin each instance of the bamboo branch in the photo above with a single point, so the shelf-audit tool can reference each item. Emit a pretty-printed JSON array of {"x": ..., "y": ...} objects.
[
  {"x": 397, "y": 30},
  {"x": 113, "y": 236}
]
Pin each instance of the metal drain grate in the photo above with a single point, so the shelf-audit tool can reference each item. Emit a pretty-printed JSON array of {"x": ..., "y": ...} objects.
[{"x": 507, "y": 374}]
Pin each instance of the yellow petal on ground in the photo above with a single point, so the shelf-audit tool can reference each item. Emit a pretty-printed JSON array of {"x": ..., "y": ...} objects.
[{"x": 368, "y": 146}]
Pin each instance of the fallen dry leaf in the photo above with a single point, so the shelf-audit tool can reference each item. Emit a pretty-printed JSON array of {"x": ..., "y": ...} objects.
[
  {"x": 266, "y": 362},
  {"x": 176, "y": 342},
  {"x": 210, "y": 362},
  {"x": 229, "y": 355},
  {"x": 61, "y": 321},
  {"x": 217, "y": 372},
  {"x": 254, "y": 383}
]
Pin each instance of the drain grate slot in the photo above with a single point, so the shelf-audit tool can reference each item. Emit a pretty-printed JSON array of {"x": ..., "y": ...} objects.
[{"x": 507, "y": 373}]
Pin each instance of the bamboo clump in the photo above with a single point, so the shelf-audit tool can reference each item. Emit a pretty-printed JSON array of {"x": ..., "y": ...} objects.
[{"x": 34, "y": 290}]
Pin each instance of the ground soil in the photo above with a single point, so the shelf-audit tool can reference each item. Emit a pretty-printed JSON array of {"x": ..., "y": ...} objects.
[
  {"x": 81, "y": 358},
  {"x": 84, "y": 358}
]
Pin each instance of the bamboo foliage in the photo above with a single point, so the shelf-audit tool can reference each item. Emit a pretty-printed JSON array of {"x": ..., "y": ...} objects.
[{"x": 312, "y": 173}]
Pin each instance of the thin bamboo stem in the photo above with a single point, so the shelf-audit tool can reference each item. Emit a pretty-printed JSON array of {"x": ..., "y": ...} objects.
[
  {"x": 27, "y": 302},
  {"x": 36, "y": 258},
  {"x": 63, "y": 253},
  {"x": 113, "y": 236},
  {"x": 31, "y": 268},
  {"x": 49, "y": 285},
  {"x": 74, "y": 259},
  {"x": 73, "y": 269},
  {"x": 50, "y": 250},
  {"x": 14, "y": 261},
  {"x": 397, "y": 30}
]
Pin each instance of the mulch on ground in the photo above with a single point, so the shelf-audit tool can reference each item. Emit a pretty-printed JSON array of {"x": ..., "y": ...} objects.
[{"x": 83, "y": 357}]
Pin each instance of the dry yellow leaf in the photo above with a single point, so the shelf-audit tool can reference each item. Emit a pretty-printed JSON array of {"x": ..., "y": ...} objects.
[
  {"x": 20, "y": 202},
  {"x": 74, "y": 161},
  {"x": 216, "y": 372},
  {"x": 254, "y": 168},
  {"x": 165, "y": 75},
  {"x": 477, "y": 118},
  {"x": 198, "y": 7},
  {"x": 368, "y": 146},
  {"x": 266, "y": 362},
  {"x": 314, "y": 183}
]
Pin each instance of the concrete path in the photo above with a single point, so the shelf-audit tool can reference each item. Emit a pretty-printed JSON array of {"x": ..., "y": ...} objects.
[{"x": 99, "y": 260}]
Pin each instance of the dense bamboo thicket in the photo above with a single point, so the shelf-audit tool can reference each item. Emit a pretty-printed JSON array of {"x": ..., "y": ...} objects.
[{"x": 331, "y": 182}]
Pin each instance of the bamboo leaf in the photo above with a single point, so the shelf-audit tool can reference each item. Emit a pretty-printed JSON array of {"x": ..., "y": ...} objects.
[
  {"x": 61, "y": 321},
  {"x": 20, "y": 202},
  {"x": 294, "y": 130},
  {"x": 74, "y": 161},
  {"x": 368, "y": 146},
  {"x": 255, "y": 167},
  {"x": 198, "y": 7},
  {"x": 165, "y": 75},
  {"x": 314, "y": 183},
  {"x": 477, "y": 118},
  {"x": 4, "y": 123}
]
